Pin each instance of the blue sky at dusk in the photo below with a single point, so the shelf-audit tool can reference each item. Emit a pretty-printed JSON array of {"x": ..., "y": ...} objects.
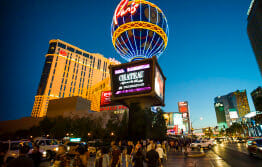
[{"x": 208, "y": 52}]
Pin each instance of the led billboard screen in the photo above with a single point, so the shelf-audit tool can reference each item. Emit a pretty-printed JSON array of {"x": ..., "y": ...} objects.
[
  {"x": 159, "y": 84},
  {"x": 105, "y": 98},
  {"x": 233, "y": 115},
  {"x": 132, "y": 80},
  {"x": 183, "y": 106},
  {"x": 140, "y": 81}
]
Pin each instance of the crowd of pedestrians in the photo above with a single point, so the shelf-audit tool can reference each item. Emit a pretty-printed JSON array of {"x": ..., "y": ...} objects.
[
  {"x": 133, "y": 154},
  {"x": 142, "y": 153}
]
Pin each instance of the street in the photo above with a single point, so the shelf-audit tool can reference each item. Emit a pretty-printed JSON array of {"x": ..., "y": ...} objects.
[{"x": 223, "y": 155}]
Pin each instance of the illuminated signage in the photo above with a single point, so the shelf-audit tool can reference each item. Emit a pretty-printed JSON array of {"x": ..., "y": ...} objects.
[
  {"x": 132, "y": 79},
  {"x": 233, "y": 115},
  {"x": 75, "y": 139},
  {"x": 183, "y": 106},
  {"x": 62, "y": 53},
  {"x": 105, "y": 98},
  {"x": 159, "y": 84},
  {"x": 122, "y": 9},
  {"x": 185, "y": 115},
  {"x": 140, "y": 81}
]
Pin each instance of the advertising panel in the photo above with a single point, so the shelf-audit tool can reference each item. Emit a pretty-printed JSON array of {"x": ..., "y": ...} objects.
[
  {"x": 233, "y": 115},
  {"x": 105, "y": 98},
  {"x": 140, "y": 81},
  {"x": 132, "y": 79},
  {"x": 178, "y": 120},
  {"x": 159, "y": 84},
  {"x": 183, "y": 106},
  {"x": 185, "y": 115}
]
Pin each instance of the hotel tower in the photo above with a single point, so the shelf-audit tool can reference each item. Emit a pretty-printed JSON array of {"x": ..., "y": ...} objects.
[{"x": 69, "y": 71}]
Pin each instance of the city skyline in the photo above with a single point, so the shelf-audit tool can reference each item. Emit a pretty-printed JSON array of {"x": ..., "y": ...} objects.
[{"x": 208, "y": 53}]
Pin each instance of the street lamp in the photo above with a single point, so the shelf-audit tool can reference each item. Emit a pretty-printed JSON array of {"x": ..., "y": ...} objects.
[{"x": 112, "y": 134}]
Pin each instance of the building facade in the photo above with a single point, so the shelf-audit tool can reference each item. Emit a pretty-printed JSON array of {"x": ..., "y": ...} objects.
[
  {"x": 257, "y": 98},
  {"x": 235, "y": 105},
  {"x": 254, "y": 29},
  {"x": 221, "y": 116},
  {"x": 68, "y": 71}
]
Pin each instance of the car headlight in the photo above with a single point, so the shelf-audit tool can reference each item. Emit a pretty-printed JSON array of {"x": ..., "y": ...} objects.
[
  {"x": 44, "y": 154},
  {"x": 260, "y": 148},
  {"x": 55, "y": 149}
]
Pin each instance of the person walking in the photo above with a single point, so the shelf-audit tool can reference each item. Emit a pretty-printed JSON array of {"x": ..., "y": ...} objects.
[
  {"x": 105, "y": 157},
  {"x": 138, "y": 158},
  {"x": 129, "y": 151},
  {"x": 116, "y": 157},
  {"x": 61, "y": 159},
  {"x": 36, "y": 156},
  {"x": 161, "y": 154},
  {"x": 152, "y": 157}
]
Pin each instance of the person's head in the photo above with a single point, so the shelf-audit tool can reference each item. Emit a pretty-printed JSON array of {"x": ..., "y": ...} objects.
[
  {"x": 36, "y": 148},
  {"x": 81, "y": 150},
  {"x": 23, "y": 148},
  {"x": 114, "y": 147},
  {"x": 139, "y": 151},
  {"x": 138, "y": 142},
  {"x": 153, "y": 146},
  {"x": 120, "y": 143},
  {"x": 158, "y": 145},
  {"x": 61, "y": 149}
]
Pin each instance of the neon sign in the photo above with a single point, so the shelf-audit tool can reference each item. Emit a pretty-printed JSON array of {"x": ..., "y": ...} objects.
[
  {"x": 122, "y": 9},
  {"x": 63, "y": 53}
]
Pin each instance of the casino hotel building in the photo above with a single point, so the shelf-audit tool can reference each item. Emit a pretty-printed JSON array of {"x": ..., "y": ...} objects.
[{"x": 70, "y": 71}]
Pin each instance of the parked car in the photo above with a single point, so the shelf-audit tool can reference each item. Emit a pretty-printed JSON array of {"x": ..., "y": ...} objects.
[
  {"x": 13, "y": 149},
  {"x": 48, "y": 147},
  {"x": 254, "y": 147},
  {"x": 202, "y": 144}
]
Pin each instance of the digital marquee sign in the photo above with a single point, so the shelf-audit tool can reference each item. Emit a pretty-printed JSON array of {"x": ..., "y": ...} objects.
[
  {"x": 183, "y": 107},
  {"x": 105, "y": 98},
  {"x": 137, "y": 79}
]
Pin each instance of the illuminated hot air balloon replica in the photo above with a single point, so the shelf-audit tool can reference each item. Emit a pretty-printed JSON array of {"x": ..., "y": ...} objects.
[{"x": 139, "y": 30}]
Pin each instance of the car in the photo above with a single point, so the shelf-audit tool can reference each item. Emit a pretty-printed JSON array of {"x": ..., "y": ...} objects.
[
  {"x": 71, "y": 147},
  {"x": 241, "y": 140},
  {"x": 48, "y": 147},
  {"x": 13, "y": 149},
  {"x": 202, "y": 144},
  {"x": 254, "y": 147}
]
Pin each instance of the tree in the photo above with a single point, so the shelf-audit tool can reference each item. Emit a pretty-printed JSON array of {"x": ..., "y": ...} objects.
[
  {"x": 159, "y": 126},
  {"x": 45, "y": 125}
]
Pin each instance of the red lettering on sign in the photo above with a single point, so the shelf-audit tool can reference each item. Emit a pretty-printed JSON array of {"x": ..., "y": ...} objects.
[
  {"x": 63, "y": 53},
  {"x": 122, "y": 9}
]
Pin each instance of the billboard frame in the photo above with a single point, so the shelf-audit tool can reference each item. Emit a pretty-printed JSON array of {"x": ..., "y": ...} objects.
[{"x": 150, "y": 98}]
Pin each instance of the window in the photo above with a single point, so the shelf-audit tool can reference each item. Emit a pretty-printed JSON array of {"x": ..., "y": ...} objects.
[
  {"x": 78, "y": 52},
  {"x": 61, "y": 45},
  {"x": 86, "y": 55},
  {"x": 52, "y": 48},
  {"x": 70, "y": 49}
]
